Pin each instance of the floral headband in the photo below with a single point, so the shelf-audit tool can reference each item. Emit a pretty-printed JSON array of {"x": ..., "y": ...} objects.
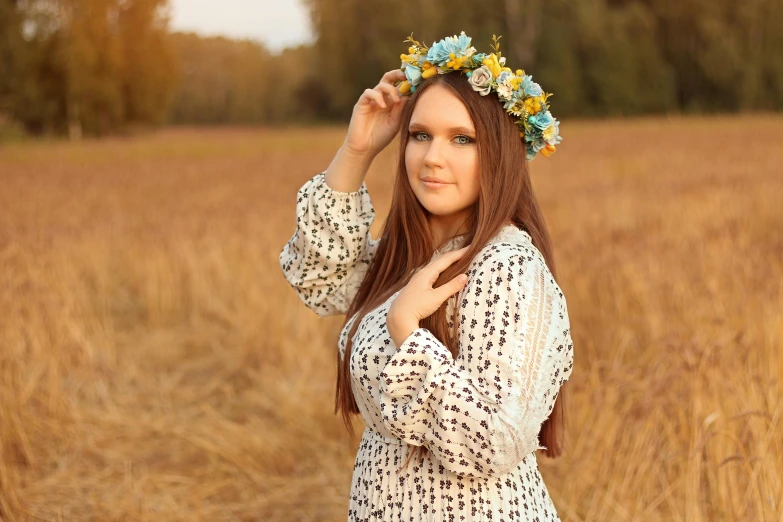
[{"x": 520, "y": 95}]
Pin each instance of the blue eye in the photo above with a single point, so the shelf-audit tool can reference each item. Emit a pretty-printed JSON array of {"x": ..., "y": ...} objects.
[{"x": 468, "y": 139}]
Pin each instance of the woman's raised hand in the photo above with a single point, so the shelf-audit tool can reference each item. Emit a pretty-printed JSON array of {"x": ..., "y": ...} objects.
[
  {"x": 376, "y": 116},
  {"x": 418, "y": 299}
]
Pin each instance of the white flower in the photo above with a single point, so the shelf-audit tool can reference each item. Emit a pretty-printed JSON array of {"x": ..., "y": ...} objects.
[
  {"x": 480, "y": 79},
  {"x": 505, "y": 90},
  {"x": 552, "y": 133}
]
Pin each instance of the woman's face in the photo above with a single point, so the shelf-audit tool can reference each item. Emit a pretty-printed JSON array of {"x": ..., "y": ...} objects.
[{"x": 442, "y": 146}]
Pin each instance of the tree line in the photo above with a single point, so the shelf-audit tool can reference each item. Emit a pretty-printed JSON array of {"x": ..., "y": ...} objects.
[
  {"x": 96, "y": 67},
  {"x": 84, "y": 66}
]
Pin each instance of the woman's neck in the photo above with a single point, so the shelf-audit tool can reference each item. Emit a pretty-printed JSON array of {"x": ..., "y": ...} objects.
[
  {"x": 446, "y": 229},
  {"x": 442, "y": 232}
]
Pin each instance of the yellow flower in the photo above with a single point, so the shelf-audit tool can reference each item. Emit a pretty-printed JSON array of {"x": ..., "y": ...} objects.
[
  {"x": 549, "y": 132},
  {"x": 517, "y": 109},
  {"x": 412, "y": 50},
  {"x": 491, "y": 61},
  {"x": 428, "y": 69},
  {"x": 548, "y": 150},
  {"x": 454, "y": 63},
  {"x": 409, "y": 58},
  {"x": 534, "y": 104},
  {"x": 404, "y": 87}
]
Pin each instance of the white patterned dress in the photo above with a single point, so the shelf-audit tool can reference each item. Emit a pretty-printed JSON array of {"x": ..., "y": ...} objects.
[{"x": 479, "y": 414}]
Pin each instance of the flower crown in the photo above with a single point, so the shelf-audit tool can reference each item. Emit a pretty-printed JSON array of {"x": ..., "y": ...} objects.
[{"x": 520, "y": 95}]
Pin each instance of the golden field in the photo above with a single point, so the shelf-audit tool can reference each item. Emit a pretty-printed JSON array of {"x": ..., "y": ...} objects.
[{"x": 156, "y": 366}]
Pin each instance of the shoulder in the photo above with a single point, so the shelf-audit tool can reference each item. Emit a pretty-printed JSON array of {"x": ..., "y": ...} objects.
[
  {"x": 511, "y": 257},
  {"x": 511, "y": 246}
]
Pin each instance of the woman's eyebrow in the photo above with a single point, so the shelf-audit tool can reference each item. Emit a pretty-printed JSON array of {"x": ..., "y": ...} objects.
[{"x": 452, "y": 129}]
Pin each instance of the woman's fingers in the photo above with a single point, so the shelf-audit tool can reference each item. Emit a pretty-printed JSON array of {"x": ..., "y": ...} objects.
[
  {"x": 385, "y": 93},
  {"x": 419, "y": 298},
  {"x": 446, "y": 290},
  {"x": 393, "y": 76},
  {"x": 441, "y": 263},
  {"x": 391, "y": 91},
  {"x": 373, "y": 95}
]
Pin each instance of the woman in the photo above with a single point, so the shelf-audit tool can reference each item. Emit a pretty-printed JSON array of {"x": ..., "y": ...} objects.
[{"x": 465, "y": 244}]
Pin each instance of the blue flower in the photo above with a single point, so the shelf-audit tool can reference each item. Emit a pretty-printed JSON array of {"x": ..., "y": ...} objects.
[
  {"x": 503, "y": 75},
  {"x": 538, "y": 144},
  {"x": 439, "y": 53},
  {"x": 542, "y": 120},
  {"x": 530, "y": 87},
  {"x": 533, "y": 134},
  {"x": 413, "y": 74}
]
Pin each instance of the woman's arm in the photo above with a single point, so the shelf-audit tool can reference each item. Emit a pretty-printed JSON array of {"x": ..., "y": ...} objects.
[
  {"x": 331, "y": 249},
  {"x": 480, "y": 414},
  {"x": 347, "y": 170}
]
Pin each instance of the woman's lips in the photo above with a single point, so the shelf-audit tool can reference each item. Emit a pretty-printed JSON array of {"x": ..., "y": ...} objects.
[{"x": 435, "y": 184}]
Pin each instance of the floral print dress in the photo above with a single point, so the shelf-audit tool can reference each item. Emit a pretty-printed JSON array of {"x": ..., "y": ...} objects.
[{"x": 479, "y": 414}]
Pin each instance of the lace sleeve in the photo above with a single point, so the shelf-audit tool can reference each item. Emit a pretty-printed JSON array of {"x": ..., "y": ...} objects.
[
  {"x": 480, "y": 414},
  {"x": 331, "y": 249}
]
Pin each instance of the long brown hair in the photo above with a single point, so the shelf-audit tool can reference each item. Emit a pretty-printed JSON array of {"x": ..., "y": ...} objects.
[{"x": 406, "y": 243}]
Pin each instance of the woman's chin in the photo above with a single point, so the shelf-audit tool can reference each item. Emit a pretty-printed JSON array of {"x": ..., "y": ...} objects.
[{"x": 440, "y": 210}]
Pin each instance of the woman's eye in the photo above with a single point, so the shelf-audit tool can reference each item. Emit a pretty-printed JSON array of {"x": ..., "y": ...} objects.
[{"x": 466, "y": 139}]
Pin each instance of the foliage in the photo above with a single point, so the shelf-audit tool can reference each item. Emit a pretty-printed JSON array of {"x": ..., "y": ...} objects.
[
  {"x": 85, "y": 66},
  {"x": 601, "y": 57},
  {"x": 97, "y": 67}
]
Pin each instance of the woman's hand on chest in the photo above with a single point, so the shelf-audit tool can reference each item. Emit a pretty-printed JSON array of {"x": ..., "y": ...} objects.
[{"x": 418, "y": 299}]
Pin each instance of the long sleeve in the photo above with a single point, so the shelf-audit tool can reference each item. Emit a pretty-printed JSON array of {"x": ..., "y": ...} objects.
[
  {"x": 480, "y": 414},
  {"x": 331, "y": 249}
]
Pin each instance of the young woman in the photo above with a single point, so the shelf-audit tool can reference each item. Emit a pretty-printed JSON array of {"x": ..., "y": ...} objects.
[{"x": 457, "y": 338}]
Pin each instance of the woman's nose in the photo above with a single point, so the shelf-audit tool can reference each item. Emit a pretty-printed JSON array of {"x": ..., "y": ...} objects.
[{"x": 434, "y": 155}]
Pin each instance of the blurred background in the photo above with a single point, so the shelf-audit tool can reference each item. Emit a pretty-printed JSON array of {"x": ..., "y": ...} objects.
[
  {"x": 155, "y": 365},
  {"x": 96, "y": 67}
]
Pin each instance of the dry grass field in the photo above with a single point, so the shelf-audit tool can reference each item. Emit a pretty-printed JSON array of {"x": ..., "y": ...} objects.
[{"x": 155, "y": 366}]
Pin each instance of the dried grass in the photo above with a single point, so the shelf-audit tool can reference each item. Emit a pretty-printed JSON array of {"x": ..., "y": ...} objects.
[{"x": 154, "y": 364}]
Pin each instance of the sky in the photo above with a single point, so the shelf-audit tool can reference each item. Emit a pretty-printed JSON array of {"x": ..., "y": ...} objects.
[{"x": 277, "y": 24}]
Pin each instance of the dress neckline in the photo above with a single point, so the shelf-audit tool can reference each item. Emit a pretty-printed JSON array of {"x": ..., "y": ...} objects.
[{"x": 508, "y": 233}]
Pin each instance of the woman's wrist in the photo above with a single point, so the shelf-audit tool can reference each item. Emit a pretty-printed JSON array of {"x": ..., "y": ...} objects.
[
  {"x": 400, "y": 329},
  {"x": 348, "y": 169},
  {"x": 355, "y": 155}
]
